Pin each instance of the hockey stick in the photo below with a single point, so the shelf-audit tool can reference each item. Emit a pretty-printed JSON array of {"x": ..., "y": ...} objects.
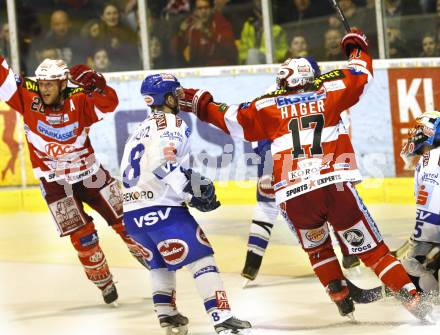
[
  {"x": 341, "y": 15},
  {"x": 364, "y": 296}
]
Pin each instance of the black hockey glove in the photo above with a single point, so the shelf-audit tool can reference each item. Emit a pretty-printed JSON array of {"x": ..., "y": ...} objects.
[{"x": 202, "y": 190}]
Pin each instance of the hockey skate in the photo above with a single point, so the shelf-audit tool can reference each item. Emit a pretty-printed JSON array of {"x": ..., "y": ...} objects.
[
  {"x": 415, "y": 304},
  {"x": 350, "y": 261},
  {"x": 110, "y": 294},
  {"x": 340, "y": 295},
  {"x": 175, "y": 324},
  {"x": 251, "y": 267},
  {"x": 233, "y": 326}
]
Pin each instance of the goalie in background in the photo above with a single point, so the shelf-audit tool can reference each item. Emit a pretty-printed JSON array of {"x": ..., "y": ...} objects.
[{"x": 422, "y": 260}]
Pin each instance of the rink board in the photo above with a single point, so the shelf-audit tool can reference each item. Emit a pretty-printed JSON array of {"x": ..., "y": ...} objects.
[{"x": 376, "y": 191}]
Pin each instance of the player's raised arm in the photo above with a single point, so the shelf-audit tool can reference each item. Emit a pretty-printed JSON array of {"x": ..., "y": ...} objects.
[
  {"x": 101, "y": 98},
  {"x": 10, "y": 87},
  {"x": 353, "y": 79}
]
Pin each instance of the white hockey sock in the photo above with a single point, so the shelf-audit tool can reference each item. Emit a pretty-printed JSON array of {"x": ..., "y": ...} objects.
[
  {"x": 163, "y": 286},
  {"x": 265, "y": 215},
  {"x": 259, "y": 237},
  {"x": 211, "y": 290}
]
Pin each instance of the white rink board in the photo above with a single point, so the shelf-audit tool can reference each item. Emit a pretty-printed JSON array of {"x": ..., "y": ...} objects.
[{"x": 372, "y": 113}]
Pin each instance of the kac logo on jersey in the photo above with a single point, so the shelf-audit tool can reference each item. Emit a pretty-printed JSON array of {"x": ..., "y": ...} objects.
[
  {"x": 61, "y": 134},
  {"x": 56, "y": 150},
  {"x": 152, "y": 217},
  {"x": 302, "y": 97}
]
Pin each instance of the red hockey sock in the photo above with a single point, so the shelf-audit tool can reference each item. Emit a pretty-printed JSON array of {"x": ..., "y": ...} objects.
[
  {"x": 325, "y": 263},
  {"x": 389, "y": 270},
  {"x": 95, "y": 266}
]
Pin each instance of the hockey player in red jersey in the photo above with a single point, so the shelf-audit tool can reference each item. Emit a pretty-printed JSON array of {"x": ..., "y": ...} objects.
[
  {"x": 56, "y": 122},
  {"x": 315, "y": 167}
]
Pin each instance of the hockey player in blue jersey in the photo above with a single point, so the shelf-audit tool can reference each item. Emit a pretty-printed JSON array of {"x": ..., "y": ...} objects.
[{"x": 157, "y": 184}]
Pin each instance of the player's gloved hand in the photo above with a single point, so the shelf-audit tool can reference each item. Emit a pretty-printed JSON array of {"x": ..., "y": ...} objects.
[
  {"x": 87, "y": 78},
  {"x": 194, "y": 100},
  {"x": 354, "y": 39},
  {"x": 202, "y": 190}
]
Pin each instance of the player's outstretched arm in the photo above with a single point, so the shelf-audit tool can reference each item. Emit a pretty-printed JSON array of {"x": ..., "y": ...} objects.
[
  {"x": 94, "y": 84},
  {"x": 239, "y": 121}
]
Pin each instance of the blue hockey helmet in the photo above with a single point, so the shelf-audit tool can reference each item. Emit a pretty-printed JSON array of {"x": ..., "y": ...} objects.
[
  {"x": 155, "y": 87},
  {"x": 425, "y": 134}
]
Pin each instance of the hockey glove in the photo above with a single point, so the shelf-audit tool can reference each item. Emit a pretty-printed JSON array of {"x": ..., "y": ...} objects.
[
  {"x": 87, "y": 78},
  {"x": 202, "y": 190},
  {"x": 194, "y": 100},
  {"x": 352, "y": 40}
]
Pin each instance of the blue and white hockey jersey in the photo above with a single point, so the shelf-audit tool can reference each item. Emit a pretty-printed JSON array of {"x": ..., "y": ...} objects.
[
  {"x": 152, "y": 162},
  {"x": 427, "y": 189}
]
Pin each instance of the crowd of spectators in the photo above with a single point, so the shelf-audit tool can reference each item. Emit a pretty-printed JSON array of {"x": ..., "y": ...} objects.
[{"x": 188, "y": 33}]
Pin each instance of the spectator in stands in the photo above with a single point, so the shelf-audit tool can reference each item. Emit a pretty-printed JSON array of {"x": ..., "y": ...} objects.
[
  {"x": 46, "y": 52},
  {"x": 130, "y": 14},
  {"x": 79, "y": 9},
  {"x": 101, "y": 61},
  {"x": 119, "y": 40},
  {"x": 397, "y": 46},
  {"x": 332, "y": 39},
  {"x": 401, "y": 7},
  {"x": 69, "y": 45},
  {"x": 298, "y": 47},
  {"x": 205, "y": 38},
  {"x": 298, "y": 10},
  {"x": 252, "y": 46},
  {"x": 429, "y": 46},
  {"x": 157, "y": 60},
  {"x": 176, "y": 7},
  {"x": 428, "y": 6}
]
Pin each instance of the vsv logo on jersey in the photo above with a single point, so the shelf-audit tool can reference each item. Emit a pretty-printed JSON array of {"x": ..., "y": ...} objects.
[
  {"x": 61, "y": 134},
  {"x": 165, "y": 169},
  {"x": 298, "y": 98},
  {"x": 152, "y": 217}
]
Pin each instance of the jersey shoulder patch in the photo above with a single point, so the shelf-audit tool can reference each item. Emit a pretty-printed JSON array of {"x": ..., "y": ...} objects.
[
  {"x": 329, "y": 76},
  {"x": 272, "y": 94},
  {"x": 160, "y": 119},
  {"x": 30, "y": 85},
  {"x": 70, "y": 91}
]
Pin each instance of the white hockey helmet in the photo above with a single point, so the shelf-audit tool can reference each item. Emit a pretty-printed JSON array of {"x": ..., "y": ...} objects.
[
  {"x": 52, "y": 69},
  {"x": 295, "y": 72}
]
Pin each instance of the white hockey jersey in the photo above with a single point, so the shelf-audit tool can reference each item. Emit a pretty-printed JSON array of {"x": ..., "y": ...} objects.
[
  {"x": 152, "y": 163},
  {"x": 427, "y": 190}
]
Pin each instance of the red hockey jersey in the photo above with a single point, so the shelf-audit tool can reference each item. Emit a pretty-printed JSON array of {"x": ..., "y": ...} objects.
[
  {"x": 58, "y": 142},
  {"x": 311, "y": 147}
]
